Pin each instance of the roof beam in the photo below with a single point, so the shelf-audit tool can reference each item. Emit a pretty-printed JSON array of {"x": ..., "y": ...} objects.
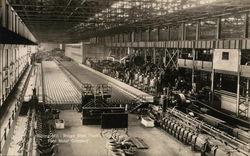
[{"x": 57, "y": 6}]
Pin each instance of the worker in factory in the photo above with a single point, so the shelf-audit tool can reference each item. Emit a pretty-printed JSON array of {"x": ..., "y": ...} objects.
[
  {"x": 141, "y": 76},
  {"x": 153, "y": 85},
  {"x": 136, "y": 78},
  {"x": 146, "y": 82}
]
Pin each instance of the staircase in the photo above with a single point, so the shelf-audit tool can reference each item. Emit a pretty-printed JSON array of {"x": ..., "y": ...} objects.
[{"x": 139, "y": 102}]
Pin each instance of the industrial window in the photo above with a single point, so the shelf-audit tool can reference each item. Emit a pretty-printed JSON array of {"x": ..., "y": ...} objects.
[
  {"x": 233, "y": 26},
  {"x": 190, "y": 31},
  {"x": 175, "y": 32},
  {"x": 225, "y": 55},
  {"x": 145, "y": 35},
  {"x": 153, "y": 35},
  {"x": 164, "y": 34},
  {"x": 127, "y": 37},
  {"x": 138, "y": 36},
  {"x": 208, "y": 29}
]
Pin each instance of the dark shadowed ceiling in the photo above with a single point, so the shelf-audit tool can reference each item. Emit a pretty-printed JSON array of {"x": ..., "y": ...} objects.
[{"x": 74, "y": 20}]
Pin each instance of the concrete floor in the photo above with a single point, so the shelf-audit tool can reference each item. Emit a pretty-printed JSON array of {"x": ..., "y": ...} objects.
[{"x": 79, "y": 140}]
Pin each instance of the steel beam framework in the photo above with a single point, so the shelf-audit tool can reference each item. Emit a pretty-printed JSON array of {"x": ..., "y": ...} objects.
[{"x": 92, "y": 17}]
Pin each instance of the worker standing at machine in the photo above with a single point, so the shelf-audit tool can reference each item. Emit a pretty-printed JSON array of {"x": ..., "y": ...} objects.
[
  {"x": 136, "y": 78},
  {"x": 164, "y": 100},
  {"x": 146, "y": 83},
  {"x": 131, "y": 76},
  {"x": 140, "y": 81},
  {"x": 127, "y": 73},
  {"x": 153, "y": 85}
]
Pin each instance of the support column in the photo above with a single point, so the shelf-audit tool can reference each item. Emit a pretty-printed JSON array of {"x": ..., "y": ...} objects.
[
  {"x": 238, "y": 87},
  {"x": 165, "y": 58},
  {"x": 212, "y": 82},
  {"x": 197, "y": 36},
  {"x": 212, "y": 87},
  {"x": 140, "y": 35},
  {"x": 148, "y": 36},
  {"x": 83, "y": 53},
  {"x": 117, "y": 36},
  {"x": 157, "y": 34},
  {"x": 145, "y": 54},
  {"x": 120, "y": 53},
  {"x": 113, "y": 39},
  {"x": 1, "y": 73},
  {"x": 9, "y": 59},
  {"x": 169, "y": 33},
  {"x": 238, "y": 95},
  {"x": 183, "y": 31},
  {"x": 246, "y": 35},
  {"x": 178, "y": 56},
  {"x": 247, "y": 97},
  {"x": 193, "y": 68},
  {"x": 132, "y": 37},
  {"x": 11, "y": 65},
  {"x": 121, "y": 38},
  {"x": 2, "y": 13},
  {"x": 154, "y": 55},
  {"x": 218, "y": 30}
]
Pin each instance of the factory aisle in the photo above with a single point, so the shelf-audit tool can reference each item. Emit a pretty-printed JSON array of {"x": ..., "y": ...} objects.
[{"x": 78, "y": 140}]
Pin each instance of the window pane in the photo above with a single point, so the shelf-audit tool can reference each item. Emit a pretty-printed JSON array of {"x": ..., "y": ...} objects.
[
  {"x": 144, "y": 36},
  {"x": 163, "y": 34},
  {"x": 153, "y": 35},
  {"x": 190, "y": 31},
  {"x": 232, "y": 26},
  {"x": 225, "y": 56},
  {"x": 127, "y": 37},
  {"x": 137, "y": 36},
  {"x": 208, "y": 29},
  {"x": 175, "y": 33},
  {"x": 121, "y": 38}
]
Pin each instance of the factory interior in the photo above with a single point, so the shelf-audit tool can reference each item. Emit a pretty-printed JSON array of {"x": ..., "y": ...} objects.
[{"x": 124, "y": 77}]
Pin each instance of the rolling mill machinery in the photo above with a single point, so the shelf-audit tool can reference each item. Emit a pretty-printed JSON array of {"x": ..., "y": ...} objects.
[
  {"x": 95, "y": 105},
  {"x": 182, "y": 117}
]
